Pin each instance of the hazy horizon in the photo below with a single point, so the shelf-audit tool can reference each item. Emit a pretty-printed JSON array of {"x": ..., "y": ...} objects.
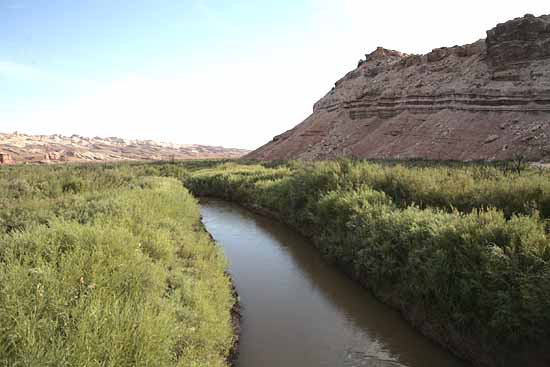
[
  {"x": 205, "y": 72},
  {"x": 26, "y": 133}
]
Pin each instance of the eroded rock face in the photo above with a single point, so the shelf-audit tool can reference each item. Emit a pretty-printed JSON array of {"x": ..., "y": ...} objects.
[
  {"x": 517, "y": 40},
  {"x": 486, "y": 100},
  {"x": 6, "y": 158},
  {"x": 52, "y": 156},
  {"x": 58, "y": 148}
]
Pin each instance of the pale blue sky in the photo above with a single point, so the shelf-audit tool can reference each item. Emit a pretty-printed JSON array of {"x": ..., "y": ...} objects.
[{"x": 230, "y": 73}]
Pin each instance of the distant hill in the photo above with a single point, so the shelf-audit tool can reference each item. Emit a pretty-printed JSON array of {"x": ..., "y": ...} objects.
[
  {"x": 482, "y": 101},
  {"x": 23, "y": 148}
]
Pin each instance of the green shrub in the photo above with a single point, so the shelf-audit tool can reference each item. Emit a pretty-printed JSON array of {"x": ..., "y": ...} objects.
[
  {"x": 116, "y": 277},
  {"x": 467, "y": 245}
]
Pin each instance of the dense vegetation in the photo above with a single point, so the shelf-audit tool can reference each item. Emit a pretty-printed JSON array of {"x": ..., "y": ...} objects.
[
  {"x": 463, "y": 251},
  {"x": 108, "y": 266}
]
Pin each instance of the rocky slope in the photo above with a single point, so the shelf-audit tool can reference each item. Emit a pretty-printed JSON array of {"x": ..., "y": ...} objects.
[
  {"x": 22, "y": 148},
  {"x": 486, "y": 100}
]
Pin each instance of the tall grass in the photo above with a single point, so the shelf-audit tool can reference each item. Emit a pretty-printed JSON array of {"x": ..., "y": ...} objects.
[{"x": 101, "y": 267}]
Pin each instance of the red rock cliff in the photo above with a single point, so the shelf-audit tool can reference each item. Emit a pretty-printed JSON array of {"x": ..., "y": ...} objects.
[{"x": 486, "y": 100}]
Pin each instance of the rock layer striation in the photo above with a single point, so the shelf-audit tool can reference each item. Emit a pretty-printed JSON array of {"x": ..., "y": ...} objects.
[
  {"x": 482, "y": 101},
  {"x": 23, "y": 148}
]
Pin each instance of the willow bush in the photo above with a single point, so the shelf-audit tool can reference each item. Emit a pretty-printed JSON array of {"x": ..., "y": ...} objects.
[
  {"x": 102, "y": 267},
  {"x": 469, "y": 246}
]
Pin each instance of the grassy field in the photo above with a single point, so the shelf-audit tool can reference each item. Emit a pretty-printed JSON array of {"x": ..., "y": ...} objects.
[
  {"x": 462, "y": 251},
  {"x": 108, "y": 266}
]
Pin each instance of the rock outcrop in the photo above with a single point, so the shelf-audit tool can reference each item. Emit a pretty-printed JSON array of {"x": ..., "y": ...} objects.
[
  {"x": 58, "y": 148},
  {"x": 52, "y": 156},
  {"x": 483, "y": 101},
  {"x": 6, "y": 158}
]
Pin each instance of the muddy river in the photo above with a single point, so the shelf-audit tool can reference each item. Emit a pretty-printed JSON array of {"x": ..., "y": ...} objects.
[{"x": 299, "y": 311}]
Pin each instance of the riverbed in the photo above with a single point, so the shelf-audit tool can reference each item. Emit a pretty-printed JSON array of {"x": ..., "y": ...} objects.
[{"x": 300, "y": 311}]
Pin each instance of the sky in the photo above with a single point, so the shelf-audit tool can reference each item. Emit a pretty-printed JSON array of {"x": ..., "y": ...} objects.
[{"x": 230, "y": 73}]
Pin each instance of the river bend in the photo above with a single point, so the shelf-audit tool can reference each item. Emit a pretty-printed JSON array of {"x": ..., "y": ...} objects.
[{"x": 299, "y": 311}]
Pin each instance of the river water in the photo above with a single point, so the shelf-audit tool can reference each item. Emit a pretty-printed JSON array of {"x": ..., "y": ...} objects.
[{"x": 299, "y": 311}]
